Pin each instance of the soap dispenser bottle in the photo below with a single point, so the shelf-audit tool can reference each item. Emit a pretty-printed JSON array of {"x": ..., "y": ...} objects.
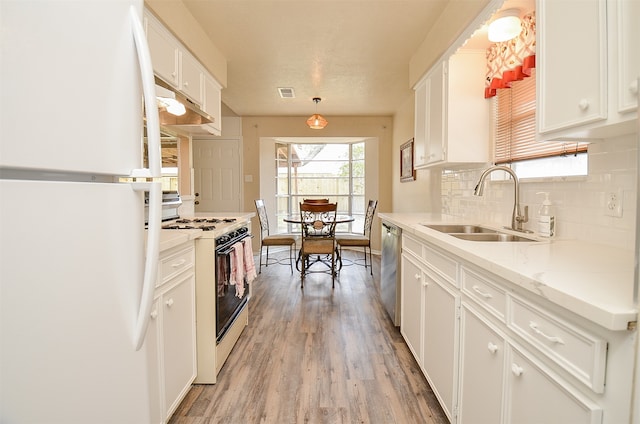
[{"x": 546, "y": 220}]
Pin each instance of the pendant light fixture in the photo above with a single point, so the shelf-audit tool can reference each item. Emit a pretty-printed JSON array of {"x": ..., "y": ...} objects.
[
  {"x": 505, "y": 26},
  {"x": 317, "y": 121}
]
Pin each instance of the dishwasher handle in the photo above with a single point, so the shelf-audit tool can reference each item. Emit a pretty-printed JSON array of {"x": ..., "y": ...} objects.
[{"x": 391, "y": 229}]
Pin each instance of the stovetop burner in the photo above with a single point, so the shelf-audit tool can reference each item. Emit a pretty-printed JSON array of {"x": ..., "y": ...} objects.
[
  {"x": 178, "y": 227},
  {"x": 204, "y": 224}
]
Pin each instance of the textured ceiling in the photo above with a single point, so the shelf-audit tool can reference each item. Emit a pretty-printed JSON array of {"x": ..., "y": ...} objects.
[{"x": 354, "y": 54}]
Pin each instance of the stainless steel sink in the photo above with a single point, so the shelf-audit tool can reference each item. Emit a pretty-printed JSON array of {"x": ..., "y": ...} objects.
[
  {"x": 459, "y": 228},
  {"x": 499, "y": 237},
  {"x": 477, "y": 233}
]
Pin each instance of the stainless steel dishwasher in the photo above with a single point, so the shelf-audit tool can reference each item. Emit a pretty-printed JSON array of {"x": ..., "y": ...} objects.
[{"x": 390, "y": 271}]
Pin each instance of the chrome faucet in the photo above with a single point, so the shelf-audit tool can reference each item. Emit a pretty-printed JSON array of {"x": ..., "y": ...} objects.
[{"x": 517, "y": 219}]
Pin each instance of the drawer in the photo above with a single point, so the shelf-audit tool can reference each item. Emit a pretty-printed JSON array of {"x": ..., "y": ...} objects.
[
  {"x": 411, "y": 245},
  {"x": 446, "y": 267},
  {"x": 174, "y": 263},
  {"x": 486, "y": 294},
  {"x": 574, "y": 349}
]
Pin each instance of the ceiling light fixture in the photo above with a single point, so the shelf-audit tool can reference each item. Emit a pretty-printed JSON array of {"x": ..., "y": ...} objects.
[
  {"x": 317, "y": 121},
  {"x": 505, "y": 26}
]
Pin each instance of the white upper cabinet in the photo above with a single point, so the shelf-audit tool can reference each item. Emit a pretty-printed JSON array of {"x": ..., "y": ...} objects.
[
  {"x": 586, "y": 68},
  {"x": 175, "y": 65},
  {"x": 212, "y": 103},
  {"x": 164, "y": 51},
  {"x": 452, "y": 118},
  {"x": 191, "y": 77}
]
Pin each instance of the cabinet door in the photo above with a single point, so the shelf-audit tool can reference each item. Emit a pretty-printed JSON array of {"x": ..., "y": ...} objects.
[
  {"x": 571, "y": 63},
  {"x": 627, "y": 15},
  {"x": 436, "y": 113},
  {"x": 420, "y": 125},
  {"x": 212, "y": 101},
  {"x": 482, "y": 352},
  {"x": 179, "y": 341},
  {"x": 164, "y": 52},
  {"x": 411, "y": 307},
  {"x": 440, "y": 340},
  {"x": 536, "y": 396},
  {"x": 191, "y": 77}
]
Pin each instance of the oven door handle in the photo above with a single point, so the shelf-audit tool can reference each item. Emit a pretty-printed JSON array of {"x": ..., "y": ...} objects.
[{"x": 227, "y": 248}]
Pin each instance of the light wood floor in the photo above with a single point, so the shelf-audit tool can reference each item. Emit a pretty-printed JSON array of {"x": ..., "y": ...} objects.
[{"x": 315, "y": 356}]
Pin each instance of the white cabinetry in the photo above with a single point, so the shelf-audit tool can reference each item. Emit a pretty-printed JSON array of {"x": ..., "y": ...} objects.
[
  {"x": 586, "y": 68},
  {"x": 493, "y": 354},
  {"x": 175, "y": 65},
  {"x": 191, "y": 77},
  {"x": 172, "y": 329},
  {"x": 212, "y": 102},
  {"x": 429, "y": 320},
  {"x": 451, "y": 116},
  {"x": 482, "y": 362},
  {"x": 164, "y": 51}
]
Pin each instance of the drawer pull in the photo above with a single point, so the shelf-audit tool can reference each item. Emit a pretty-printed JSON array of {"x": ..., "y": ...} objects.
[
  {"x": 179, "y": 263},
  {"x": 552, "y": 339},
  {"x": 481, "y": 293},
  {"x": 517, "y": 370},
  {"x": 169, "y": 302},
  {"x": 492, "y": 347}
]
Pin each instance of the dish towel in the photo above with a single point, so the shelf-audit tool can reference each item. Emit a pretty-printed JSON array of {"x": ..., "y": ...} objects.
[
  {"x": 249, "y": 264},
  {"x": 237, "y": 268}
]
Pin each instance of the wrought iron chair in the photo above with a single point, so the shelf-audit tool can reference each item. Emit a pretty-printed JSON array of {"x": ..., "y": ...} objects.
[
  {"x": 360, "y": 240},
  {"x": 267, "y": 239},
  {"x": 318, "y": 223}
]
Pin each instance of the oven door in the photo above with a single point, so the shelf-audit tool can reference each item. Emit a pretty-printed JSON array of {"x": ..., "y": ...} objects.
[{"x": 228, "y": 304}]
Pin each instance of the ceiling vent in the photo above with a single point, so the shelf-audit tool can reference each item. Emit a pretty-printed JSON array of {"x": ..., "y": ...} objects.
[{"x": 286, "y": 92}]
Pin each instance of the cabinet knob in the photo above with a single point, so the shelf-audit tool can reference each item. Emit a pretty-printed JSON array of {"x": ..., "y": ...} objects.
[
  {"x": 186, "y": 83},
  {"x": 492, "y": 347},
  {"x": 169, "y": 302},
  {"x": 196, "y": 202},
  {"x": 154, "y": 314},
  {"x": 517, "y": 370},
  {"x": 417, "y": 276},
  {"x": 583, "y": 104},
  {"x": 633, "y": 87}
]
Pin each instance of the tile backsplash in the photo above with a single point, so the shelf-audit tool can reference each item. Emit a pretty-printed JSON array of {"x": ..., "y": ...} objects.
[{"x": 579, "y": 202}]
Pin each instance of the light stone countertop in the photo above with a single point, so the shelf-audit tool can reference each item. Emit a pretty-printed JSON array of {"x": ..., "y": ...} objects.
[{"x": 594, "y": 281}]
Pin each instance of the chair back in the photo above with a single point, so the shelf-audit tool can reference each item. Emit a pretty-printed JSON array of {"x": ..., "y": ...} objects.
[
  {"x": 368, "y": 218},
  {"x": 315, "y": 201},
  {"x": 262, "y": 217},
  {"x": 318, "y": 219}
]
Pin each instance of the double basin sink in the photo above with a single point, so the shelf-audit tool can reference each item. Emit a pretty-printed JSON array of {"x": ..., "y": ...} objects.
[{"x": 478, "y": 233}]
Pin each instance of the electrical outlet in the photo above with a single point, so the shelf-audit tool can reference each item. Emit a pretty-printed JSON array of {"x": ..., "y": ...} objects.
[{"x": 613, "y": 204}]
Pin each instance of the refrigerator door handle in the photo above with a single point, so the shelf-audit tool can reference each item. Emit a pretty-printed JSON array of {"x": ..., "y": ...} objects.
[
  {"x": 150, "y": 102},
  {"x": 153, "y": 187},
  {"x": 151, "y": 261}
]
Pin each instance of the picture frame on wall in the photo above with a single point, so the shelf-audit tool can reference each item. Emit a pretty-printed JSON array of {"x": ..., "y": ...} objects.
[{"x": 407, "y": 172}]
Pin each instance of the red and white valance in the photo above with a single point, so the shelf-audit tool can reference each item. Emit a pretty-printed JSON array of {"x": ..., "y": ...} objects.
[{"x": 511, "y": 60}]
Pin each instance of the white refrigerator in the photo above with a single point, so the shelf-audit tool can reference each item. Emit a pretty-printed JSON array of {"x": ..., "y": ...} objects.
[{"x": 76, "y": 281}]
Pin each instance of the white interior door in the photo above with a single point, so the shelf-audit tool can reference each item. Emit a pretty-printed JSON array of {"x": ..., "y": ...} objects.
[{"x": 216, "y": 173}]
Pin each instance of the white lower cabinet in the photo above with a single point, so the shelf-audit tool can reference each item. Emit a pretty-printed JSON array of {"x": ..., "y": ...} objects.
[
  {"x": 429, "y": 324},
  {"x": 535, "y": 395},
  {"x": 494, "y": 354},
  {"x": 440, "y": 339},
  {"x": 482, "y": 362},
  {"x": 172, "y": 333},
  {"x": 411, "y": 301}
]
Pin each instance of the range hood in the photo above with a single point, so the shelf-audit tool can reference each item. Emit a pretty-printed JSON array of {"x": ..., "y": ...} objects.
[{"x": 193, "y": 121}]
